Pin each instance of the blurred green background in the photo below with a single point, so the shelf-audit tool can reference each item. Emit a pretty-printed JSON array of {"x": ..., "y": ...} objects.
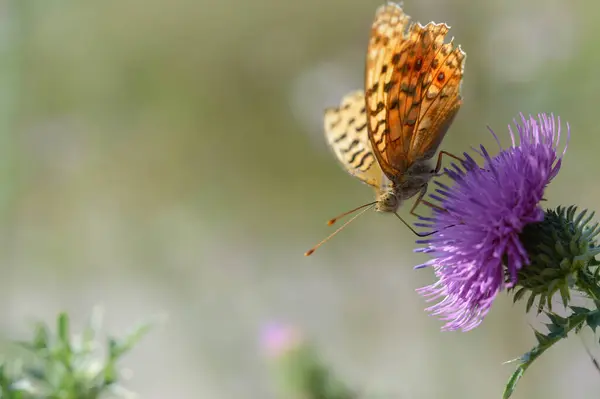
[{"x": 168, "y": 158}]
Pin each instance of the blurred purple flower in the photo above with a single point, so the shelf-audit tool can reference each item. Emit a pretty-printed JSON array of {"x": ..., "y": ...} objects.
[
  {"x": 475, "y": 245},
  {"x": 278, "y": 339}
]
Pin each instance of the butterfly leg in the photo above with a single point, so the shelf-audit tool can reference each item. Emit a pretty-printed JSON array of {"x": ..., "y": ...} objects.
[
  {"x": 436, "y": 171},
  {"x": 438, "y": 165},
  {"x": 420, "y": 200}
]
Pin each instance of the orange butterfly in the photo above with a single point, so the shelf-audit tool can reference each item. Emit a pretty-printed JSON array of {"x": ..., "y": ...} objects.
[{"x": 387, "y": 135}]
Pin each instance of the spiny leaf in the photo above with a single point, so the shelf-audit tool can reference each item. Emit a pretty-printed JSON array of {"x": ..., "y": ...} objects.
[
  {"x": 519, "y": 294},
  {"x": 562, "y": 327},
  {"x": 541, "y": 338},
  {"x": 530, "y": 302},
  {"x": 579, "y": 310},
  {"x": 593, "y": 320},
  {"x": 557, "y": 320},
  {"x": 118, "y": 348}
]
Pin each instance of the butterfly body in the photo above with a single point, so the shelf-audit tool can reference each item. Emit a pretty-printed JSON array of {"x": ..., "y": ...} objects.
[{"x": 396, "y": 191}]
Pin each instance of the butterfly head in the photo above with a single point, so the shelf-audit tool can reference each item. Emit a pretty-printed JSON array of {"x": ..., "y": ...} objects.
[
  {"x": 388, "y": 201},
  {"x": 409, "y": 184}
]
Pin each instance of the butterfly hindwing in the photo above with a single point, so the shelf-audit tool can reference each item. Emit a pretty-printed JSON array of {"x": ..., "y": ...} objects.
[{"x": 347, "y": 135}]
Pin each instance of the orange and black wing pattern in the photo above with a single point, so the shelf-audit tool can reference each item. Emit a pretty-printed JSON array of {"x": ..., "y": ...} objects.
[{"x": 412, "y": 88}]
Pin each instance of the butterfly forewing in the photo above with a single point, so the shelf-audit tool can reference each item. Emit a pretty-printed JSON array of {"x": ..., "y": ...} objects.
[
  {"x": 347, "y": 135},
  {"x": 440, "y": 100},
  {"x": 412, "y": 87}
]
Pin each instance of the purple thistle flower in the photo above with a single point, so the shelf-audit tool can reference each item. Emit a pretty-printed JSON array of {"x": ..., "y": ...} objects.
[{"x": 475, "y": 246}]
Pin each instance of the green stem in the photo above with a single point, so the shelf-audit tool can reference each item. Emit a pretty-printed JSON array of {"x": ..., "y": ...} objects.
[{"x": 557, "y": 333}]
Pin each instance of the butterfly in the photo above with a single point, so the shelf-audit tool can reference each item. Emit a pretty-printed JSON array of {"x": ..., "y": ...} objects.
[{"x": 387, "y": 134}]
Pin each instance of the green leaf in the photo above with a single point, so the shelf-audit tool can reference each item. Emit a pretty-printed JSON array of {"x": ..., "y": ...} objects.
[
  {"x": 41, "y": 338},
  {"x": 593, "y": 320},
  {"x": 530, "y": 302},
  {"x": 555, "y": 330},
  {"x": 579, "y": 310},
  {"x": 557, "y": 320},
  {"x": 542, "y": 302},
  {"x": 64, "y": 351},
  {"x": 519, "y": 294},
  {"x": 562, "y": 327},
  {"x": 63, "y": 329},
  {"x": 541, "y": 338},
  {"x": 88, "y": 335},
  {"x": 119, "y": 348},
  {"x": 63, "y": 370}
]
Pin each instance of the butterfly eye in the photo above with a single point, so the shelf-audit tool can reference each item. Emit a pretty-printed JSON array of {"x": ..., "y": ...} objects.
[{"x": 391, "y": 201}]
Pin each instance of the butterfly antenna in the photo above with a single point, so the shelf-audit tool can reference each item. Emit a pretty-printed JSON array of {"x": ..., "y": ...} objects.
[
  {"x": 413, "y": 230},
  {"x": 338, "y": 217},
  {"x": 368, "y": 206}
]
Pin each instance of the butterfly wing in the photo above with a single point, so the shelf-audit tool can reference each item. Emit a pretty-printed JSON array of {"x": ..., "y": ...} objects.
[
  {"x": 412, "y": 88},
  {"x": 346, "y": 134}
]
